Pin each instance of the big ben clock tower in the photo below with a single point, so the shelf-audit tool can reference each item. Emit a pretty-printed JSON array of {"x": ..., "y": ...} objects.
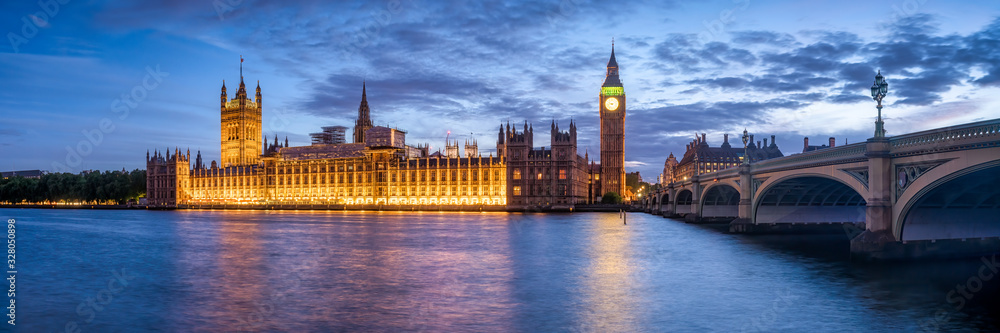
[{"x": 612, "y": 104}]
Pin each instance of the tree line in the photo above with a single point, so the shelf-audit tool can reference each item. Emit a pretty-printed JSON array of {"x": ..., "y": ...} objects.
[{"x": 108, "y": 187}]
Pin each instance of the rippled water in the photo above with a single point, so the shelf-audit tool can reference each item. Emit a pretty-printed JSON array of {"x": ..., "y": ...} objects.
[{"x": 210, "y": 271}]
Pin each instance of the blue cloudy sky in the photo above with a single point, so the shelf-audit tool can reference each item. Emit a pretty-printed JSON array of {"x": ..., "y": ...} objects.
[{"x": 784, "y": 68}]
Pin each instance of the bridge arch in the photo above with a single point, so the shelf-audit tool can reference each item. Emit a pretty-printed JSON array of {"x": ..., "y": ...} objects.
[
  {"x": 684, "y": 199},
  {"x": 962, "y": 204},
  {"x": 809, "y": 198},
  {"x": 720, "y": 200},
  {"x": 664, "y": 201}
]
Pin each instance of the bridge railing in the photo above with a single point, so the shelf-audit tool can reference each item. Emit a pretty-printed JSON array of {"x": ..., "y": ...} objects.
[
  {"x": 732, "y": 172},
  {"x": 841, "y": 153},
  {"x": 947, "y": 136}
]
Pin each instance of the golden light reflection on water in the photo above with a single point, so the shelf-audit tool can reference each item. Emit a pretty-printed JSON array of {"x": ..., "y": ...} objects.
[
  {"x": 610, "y": 277},
  {"x": 225, "y": 267},
  {"x": 347, "y": 270}
]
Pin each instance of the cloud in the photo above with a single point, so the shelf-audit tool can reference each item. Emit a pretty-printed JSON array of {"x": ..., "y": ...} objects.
[
  {"x": 768, "y": 38},
  {"x": 438, "y": 65},
  {"x": 635, "y": 164}
]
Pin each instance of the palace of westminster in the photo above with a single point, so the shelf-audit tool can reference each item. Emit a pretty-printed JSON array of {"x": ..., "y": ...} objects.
[{"x": 379, "y": 168}]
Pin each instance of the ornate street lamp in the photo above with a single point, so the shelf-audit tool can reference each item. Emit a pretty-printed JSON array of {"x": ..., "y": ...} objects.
[
  {"x": 746, "y": 138},
  {"x": 879, "y": 89}
]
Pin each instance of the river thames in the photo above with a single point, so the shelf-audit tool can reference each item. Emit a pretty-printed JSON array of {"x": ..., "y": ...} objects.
[{"x": 213, "y": 271}]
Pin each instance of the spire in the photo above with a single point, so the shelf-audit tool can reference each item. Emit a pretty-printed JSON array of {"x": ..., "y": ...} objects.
[
  {"x": 612, "y": 80},
  {"x": 241, "y": 93},
  {"x": 612, "y": 62},
  {"x": 286, "y": 141},
  {"x": 364, "y": 121}
]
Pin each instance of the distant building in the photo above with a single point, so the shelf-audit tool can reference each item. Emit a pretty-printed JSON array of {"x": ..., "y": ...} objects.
[
  {"x": 636, "y": 174},
  {"x": 417, "y": 151},
  {"x": 807, "y": 148},
  {"x": 471, "y": 148},
  {"x": 594, "y": 190},
  {"x": 35, "y": 174},
  {"x": 451, "y": 149},
  {"x": 669, "y": 166},
  {"x": 331, "y": 135},
  {"x": 700, "y": 158}
]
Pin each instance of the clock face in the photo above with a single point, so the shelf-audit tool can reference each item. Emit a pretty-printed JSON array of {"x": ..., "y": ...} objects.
[{"x": 611, "y": 103}]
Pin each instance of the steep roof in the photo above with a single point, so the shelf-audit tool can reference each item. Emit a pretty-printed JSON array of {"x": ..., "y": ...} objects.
[{"x": 612, "y": 62}]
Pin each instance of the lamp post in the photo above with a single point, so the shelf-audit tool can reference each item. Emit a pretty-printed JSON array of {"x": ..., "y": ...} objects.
[
  {"x": 746, "y": 138},
  {"x": 879, "y": 89}
]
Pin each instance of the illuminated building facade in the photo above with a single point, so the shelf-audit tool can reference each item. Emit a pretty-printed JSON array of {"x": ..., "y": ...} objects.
[
  {"x": 240, "y": 126},
  {"x": 377, "y": 169},
  {"x": 612, "y": 106},
  {"x": 377, "y": 172}
]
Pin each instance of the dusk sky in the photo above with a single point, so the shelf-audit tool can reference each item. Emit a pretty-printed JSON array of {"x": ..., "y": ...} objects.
[{"x": 154, "y": 69}]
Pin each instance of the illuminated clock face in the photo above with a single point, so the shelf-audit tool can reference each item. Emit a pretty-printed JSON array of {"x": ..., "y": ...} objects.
[{"x": 611, "y": 103}]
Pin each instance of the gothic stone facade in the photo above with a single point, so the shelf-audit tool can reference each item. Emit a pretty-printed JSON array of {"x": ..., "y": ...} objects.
[{"x": 553, "y": 178}]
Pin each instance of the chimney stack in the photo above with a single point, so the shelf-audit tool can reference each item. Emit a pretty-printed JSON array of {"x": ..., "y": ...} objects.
[
  {"x": 773, "y": 142},
  {"x": 725, "y": 138},
  {"x": 805, "y": 144},
  {"x": 833, "y": 142},
  {"x": 765, "y": 143}
]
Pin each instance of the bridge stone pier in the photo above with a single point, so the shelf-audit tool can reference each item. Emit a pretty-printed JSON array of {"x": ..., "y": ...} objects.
[{"x": 934, "y": 193}]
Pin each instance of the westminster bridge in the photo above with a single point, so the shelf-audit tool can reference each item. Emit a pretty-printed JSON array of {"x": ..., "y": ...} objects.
[{"x": 930, "y": 193}]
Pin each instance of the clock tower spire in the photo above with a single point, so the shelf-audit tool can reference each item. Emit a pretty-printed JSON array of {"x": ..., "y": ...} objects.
[{"x": 612, "y": 106}]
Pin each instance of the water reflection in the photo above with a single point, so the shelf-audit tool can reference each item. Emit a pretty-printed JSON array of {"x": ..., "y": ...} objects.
[
  {"x": 347, "y": 271},
  {"x": 209, "y": 271},
  {"x": 610, "y": 278}
]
